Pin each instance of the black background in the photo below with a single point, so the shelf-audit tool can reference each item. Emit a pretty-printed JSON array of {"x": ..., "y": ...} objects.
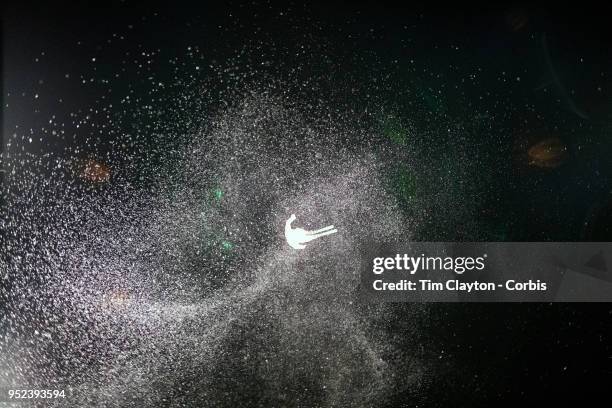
[{"x": 510, "y": 352}]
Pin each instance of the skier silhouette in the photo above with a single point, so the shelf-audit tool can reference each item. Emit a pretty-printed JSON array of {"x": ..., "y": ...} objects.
[{"x": 297, "y": 237}]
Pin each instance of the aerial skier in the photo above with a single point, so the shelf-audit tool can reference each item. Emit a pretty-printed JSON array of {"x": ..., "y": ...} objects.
[{"x": 297, "y": 237}]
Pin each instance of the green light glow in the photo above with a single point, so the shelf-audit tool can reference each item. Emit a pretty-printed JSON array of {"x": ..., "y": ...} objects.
[
  {"x": 393, "y": 129},
  {"x": 218, "y": 193},
  {"x": 226, "y": 245},
  {"x": 404, "y": 184}
]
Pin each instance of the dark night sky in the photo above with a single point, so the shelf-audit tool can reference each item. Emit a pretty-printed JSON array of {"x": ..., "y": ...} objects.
[{"x": 512, "y": 352}]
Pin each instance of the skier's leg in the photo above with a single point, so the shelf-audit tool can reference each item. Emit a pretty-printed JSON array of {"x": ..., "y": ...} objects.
[
  {"x": 329, "y": 227},
  {"x": 324, "y": 233}
]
